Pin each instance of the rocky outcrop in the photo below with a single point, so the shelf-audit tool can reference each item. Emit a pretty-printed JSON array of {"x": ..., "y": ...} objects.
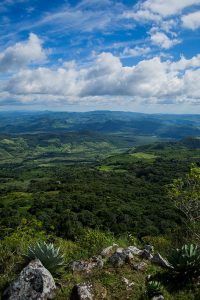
[
  {"x": 82, "y": 291},
  {"x": 120, "y": 257},
  {"x": 34, "y": 282},
  {"x": 87, "y": 266}
]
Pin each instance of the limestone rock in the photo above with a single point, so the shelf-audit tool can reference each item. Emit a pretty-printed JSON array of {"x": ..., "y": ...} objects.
[
  {"x": 87, "y": 266},
  {"x": 134, "y": 250},
  {"x": 159, "y": 260},
  {"x": 146, "y": 254},
  {"x": 120, "y": 257},
  {"x": 82, "y": 291},
  {"x": 107, "y": 252},
  {"x": 128, "y": 284},
  {"x": 142, "y": 266},
  {"x": 34, "y": 282},
  {"x": 159, "y": 297}
]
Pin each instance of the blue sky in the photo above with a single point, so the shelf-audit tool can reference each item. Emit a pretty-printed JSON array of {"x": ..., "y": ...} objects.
[{"x": 100, "y": 54}]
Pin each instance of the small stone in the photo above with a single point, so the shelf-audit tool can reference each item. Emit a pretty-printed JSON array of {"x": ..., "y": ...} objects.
[
  {"x": 142, "y": 266},
  {"x": 107, "y": 251},
  {"x": 82, "y": 291},
  {"x": 87, "y": 266},
  {"x": 146, "y": 255},
  {"x": 99, "y": 262},
  {"x": 128, "y": 284}
]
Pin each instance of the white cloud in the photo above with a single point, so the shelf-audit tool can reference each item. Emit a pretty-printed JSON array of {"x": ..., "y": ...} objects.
[
  {"x": 162, "y": 40},
  {"x": 137, "y": 51},
  {"x": 184, "y": 64},
  {"x": 192, "y": 20},
  {"x": 158, "y": 10},
  {"x": 22, "y": 54},
  {"x": 141, "y": 15},
  {"x": 150, "y": 81},
  {"x": 169, "y": 7}
]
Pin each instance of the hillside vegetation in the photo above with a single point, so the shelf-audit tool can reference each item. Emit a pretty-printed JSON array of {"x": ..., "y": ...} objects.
[{"x": 64, "y": 183}]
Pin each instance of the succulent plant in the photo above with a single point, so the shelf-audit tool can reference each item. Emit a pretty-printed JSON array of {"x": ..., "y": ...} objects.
[
  {"x": 50, "y": 256},
  {"x": 154, "y": 288},
  {"x": 186, "y": 260}
]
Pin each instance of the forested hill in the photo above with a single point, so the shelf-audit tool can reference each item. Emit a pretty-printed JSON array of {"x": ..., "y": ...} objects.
[{"x": 164, "y": 126}]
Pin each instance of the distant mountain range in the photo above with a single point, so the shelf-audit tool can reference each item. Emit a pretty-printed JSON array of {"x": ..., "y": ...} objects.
[{"x": 104, "y": 122}]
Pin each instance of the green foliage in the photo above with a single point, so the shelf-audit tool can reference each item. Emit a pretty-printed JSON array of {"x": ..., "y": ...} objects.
[
  {"x": 50, "y": 256},
  {"x": 94, "y": 240},
  {"x": 185, "y": 192},
  {"x": 161, "y": 244},
  {"x": 186, "y": 261},
  {"x": 153, "y": 288},
  {"x": 71, "y": 250}
]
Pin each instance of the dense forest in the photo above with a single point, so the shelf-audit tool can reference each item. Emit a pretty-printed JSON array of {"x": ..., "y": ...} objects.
[{"x": 65, "y": 177}]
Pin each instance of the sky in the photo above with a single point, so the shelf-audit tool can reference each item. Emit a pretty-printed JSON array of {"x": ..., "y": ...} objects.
[{"x": 100, "y": 54}]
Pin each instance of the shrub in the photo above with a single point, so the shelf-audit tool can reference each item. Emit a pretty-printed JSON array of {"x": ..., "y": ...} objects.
[
  {"x": 186, "y": 260},
  {"x": 50, "y": 256},
  {"x": 93, "y": 241}
]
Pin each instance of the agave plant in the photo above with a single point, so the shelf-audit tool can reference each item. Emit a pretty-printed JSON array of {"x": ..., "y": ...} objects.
[
  {"x": 186, "y": 261},
  {"x": 50, "y": 256},
  {"x": 154, "y": 288}
]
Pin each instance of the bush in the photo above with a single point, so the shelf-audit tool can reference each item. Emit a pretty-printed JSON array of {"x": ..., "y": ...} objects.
[
  {"x": 160, "y": 243},
  {"x": 50, "y": 256},
  {"x": 186, "y": 261},
  {"x": 93, "y": 241}
]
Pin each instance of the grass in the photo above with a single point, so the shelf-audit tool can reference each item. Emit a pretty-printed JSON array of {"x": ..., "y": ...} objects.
[
  {"x": 142, "y": 155},
  {"x": 106, "y": 168}
]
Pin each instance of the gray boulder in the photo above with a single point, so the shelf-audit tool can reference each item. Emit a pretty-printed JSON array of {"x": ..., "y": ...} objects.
[
  {"x": 82, "y": 291},
  {"x": 120, "y": 257},
  {"x": 34, "y": 282}
]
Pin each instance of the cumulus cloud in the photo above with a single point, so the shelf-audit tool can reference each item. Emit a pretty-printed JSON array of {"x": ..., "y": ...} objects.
[
  {"x": 162, "y": 40},
  {"x": 22, "y": 54},
  {"x": 151, "y": 80},
  {"x": 191, "y": 21}
]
